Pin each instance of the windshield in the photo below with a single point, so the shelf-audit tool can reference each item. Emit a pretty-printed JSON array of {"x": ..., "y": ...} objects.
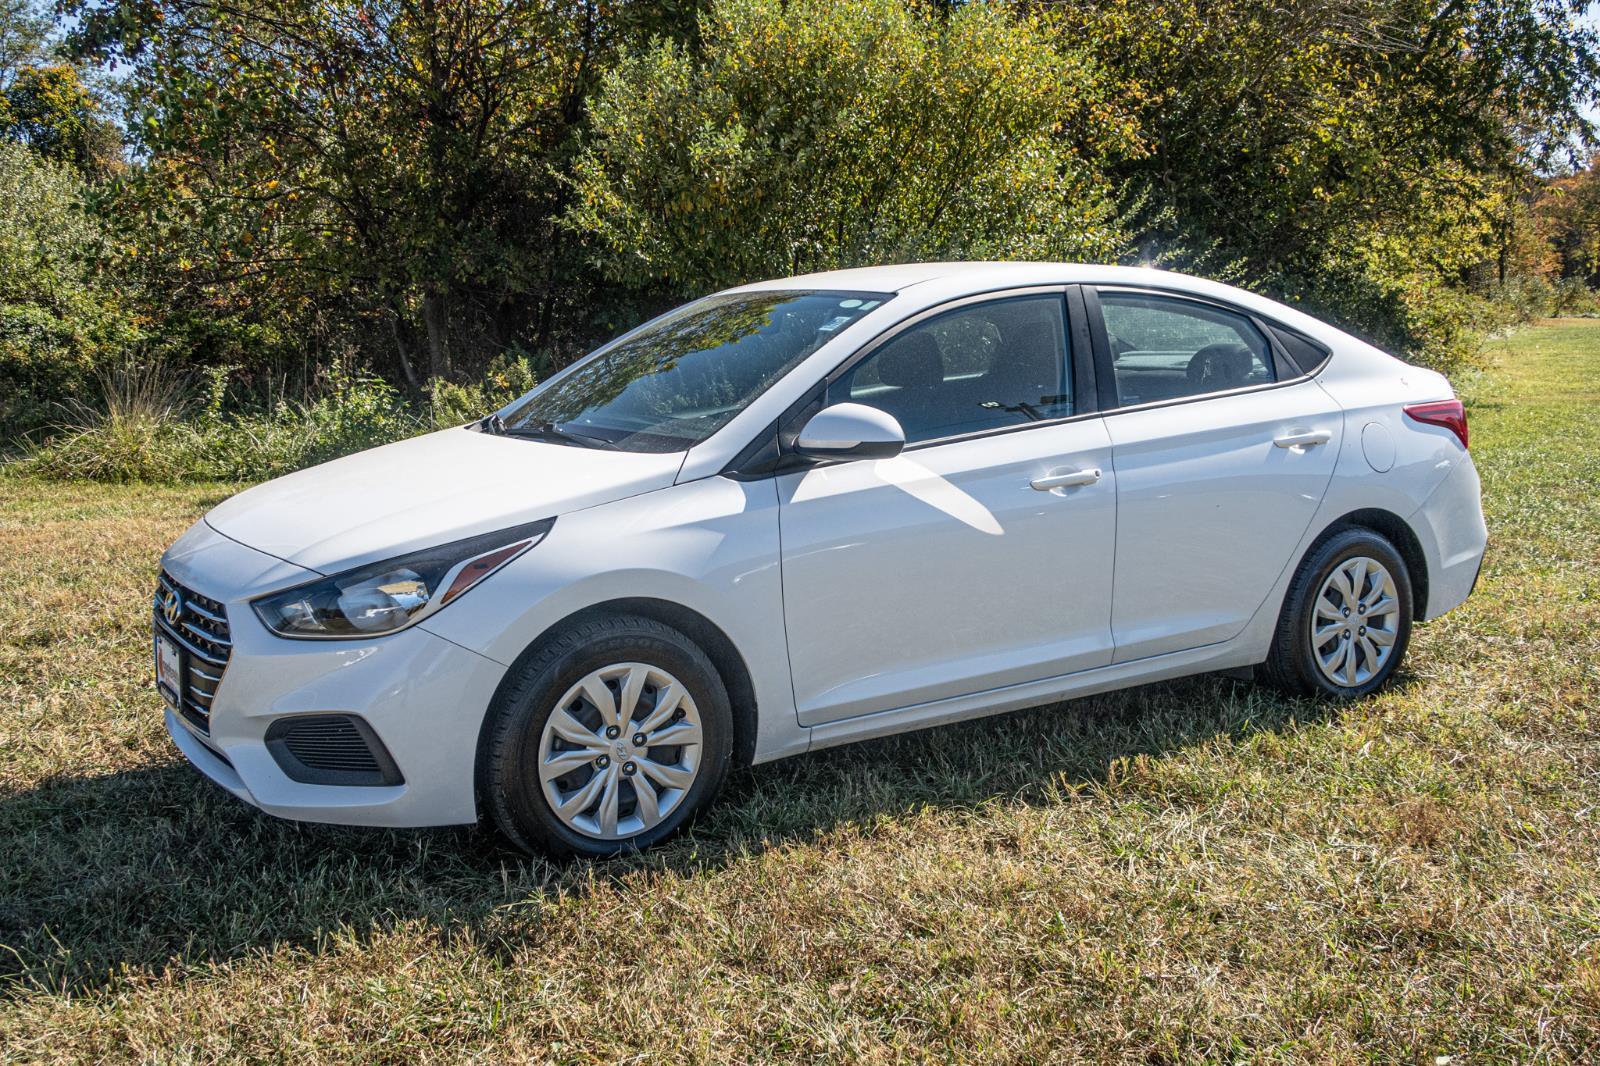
[{"x": 686, "y": 374}]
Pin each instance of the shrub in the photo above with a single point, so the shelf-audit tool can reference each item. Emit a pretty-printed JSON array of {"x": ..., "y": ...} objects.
[
  {"x": 137, "y": 434},
  {"x": 60, "y": 322},
  {"x": 804, "y": 135},
  {"x": 155, "y": 424},
  {"x": 146, "y": 431},
  {"x": 509, "y": 376},
  {"x": 254, "y": 441},
  {"x": 1519, "y": 300},
  {"x": 1572, "y": 296}
]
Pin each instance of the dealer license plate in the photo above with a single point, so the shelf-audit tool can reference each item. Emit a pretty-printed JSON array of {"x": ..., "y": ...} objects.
[{"x": 169, "y": 670}]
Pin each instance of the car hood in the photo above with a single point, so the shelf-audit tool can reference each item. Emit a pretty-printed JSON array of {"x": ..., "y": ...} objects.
[{"x": 428, "y": 490}]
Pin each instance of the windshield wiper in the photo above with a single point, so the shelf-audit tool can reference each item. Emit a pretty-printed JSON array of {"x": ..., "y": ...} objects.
[{"x": 551, "y": 431}]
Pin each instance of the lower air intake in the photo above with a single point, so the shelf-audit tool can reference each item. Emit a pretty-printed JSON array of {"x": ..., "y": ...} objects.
[{"x": 331, "y": 749}]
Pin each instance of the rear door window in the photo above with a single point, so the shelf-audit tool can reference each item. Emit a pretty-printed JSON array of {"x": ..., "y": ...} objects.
[{"x": 1166, "y": 348}]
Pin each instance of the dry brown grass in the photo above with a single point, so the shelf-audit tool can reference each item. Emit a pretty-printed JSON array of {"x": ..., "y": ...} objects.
[{"x": 1193, "y": 870}]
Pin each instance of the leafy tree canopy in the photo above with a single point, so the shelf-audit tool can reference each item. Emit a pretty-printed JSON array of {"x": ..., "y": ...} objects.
[
  {"x": 400, "y": 154},
  {"x": 804, "y": 135},
  {"x": 24, "y": 38},
  {"x": 1279, "y": 131},
  {"x": 1567, "y": 215},
  {"x": 59, "y": 316},
  {"x": 423, "y": 187},
  {"x": 49, "y": 109}
]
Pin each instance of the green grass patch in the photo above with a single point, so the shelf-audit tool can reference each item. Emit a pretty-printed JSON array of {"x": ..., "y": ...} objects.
[{"x": 1201, "y": 869}]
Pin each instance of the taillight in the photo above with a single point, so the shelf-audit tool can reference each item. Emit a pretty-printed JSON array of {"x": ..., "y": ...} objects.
[{"x": 1447, "y": 413}]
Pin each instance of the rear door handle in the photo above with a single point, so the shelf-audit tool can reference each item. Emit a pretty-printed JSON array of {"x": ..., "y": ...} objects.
[
  {"x": 1066, "y": 480},
  {"x": 1304, "y": 440}
]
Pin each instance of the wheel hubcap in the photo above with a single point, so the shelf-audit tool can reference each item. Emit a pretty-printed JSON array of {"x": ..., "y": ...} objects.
[
  {"x": 620, "y": 751},
  {"x": 1356, "y": 621}
]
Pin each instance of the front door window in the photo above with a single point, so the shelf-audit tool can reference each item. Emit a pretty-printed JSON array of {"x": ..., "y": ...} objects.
[{"x": 981, "y": 367}]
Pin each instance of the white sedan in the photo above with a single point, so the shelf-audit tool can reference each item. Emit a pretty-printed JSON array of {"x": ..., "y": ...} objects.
[{"x": 806, "y": 512}]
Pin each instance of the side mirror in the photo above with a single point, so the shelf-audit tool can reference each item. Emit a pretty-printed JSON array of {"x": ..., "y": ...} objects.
[{"x": 851, "y": 431}]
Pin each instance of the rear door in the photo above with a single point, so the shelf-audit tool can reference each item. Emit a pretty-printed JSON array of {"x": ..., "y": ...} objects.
[
  {"x": 981, "y": 556},
  {"x": 1223, "y": 451}
]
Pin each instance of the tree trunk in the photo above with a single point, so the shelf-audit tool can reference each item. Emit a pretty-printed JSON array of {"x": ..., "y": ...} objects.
[
  {"x": 434, "y": 318},
  {"x": 547, "y": 314},
  {"x": 1503, "y": 255},
  {"x": 403, "y": 353}
]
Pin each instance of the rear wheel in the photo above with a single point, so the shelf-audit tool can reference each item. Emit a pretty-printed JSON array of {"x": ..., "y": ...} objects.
[
  {"x": 1346, "y": 619},
  {"x": 610, "y": 738}
]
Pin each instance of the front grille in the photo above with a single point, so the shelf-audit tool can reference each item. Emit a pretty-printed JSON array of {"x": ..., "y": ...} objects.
[
  {"x": 331, "y": 749},
  {"x": 200, "y": 627}
]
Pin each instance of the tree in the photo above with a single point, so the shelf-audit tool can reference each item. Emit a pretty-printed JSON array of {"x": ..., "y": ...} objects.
[
  {"x": 1566, "y": 212},
  {"x": 397, "y": 156},
  {"x": 49, "y": 109},
  {"x": 804, "y": 135},
  {"x": 24, "y": 37},
  {"x": 60, "y": 317},
  {"x": 1345, "y": 153}
]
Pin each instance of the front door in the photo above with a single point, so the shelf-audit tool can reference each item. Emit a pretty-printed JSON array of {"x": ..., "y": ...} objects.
[{"x": 981, "y": 556}]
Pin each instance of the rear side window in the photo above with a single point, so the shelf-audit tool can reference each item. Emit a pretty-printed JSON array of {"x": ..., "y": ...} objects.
[
  {"x": 1169, "y": 349},
  {"x": 980, "y": 367},
  {"x": 1305, "y": 353}
]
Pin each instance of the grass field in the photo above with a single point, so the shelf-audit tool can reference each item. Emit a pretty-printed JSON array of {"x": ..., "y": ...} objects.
[{"x": 1189, "y": 870}]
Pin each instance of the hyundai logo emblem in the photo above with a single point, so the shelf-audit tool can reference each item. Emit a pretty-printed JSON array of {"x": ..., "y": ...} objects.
[{"x": 172, "y": 606}]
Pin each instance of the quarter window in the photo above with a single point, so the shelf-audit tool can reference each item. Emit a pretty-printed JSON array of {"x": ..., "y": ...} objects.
[
  {"x": 1169, "y": 349},
  {"x": 980, "y": 367}
]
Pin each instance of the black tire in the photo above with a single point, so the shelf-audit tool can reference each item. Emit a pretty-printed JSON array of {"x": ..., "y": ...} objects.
[
  {"x": 508, "y": 779},
  {"x": 1292, "y": 664}
]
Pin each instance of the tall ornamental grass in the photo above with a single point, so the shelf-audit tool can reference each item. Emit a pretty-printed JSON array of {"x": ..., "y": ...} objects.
[{"x": 151, "y": 424}]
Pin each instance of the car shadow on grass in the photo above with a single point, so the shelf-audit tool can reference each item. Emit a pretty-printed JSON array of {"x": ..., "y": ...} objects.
[{"x": 153, "y": 868}]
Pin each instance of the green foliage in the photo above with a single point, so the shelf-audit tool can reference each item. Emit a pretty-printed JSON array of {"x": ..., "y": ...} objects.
[
  {"x": 807, "y": 135},
  {"x": 136, "y": 434},
  {"x": 509, "y": 375},
  {"x": 148, "y": 429},
  {"x": 1397, "y": 286},
  {"x": 1566, "y": 213},
  {"x": 1573, "y": 296},
  {"x": 1337, "y": 150},
  {"x": 1520, "y": 300},
  {"x": 49, "y": 109},
  {"x": 406, "y": 189},
  {"x": 389, "y": 163},
  {"x": 153, "y": 425},
  {"x": 354, "y": 413},
  {"x": 48, "y": 242},
  {"x": 60, "y": 319},
  {"x": 24, "y": 36}
]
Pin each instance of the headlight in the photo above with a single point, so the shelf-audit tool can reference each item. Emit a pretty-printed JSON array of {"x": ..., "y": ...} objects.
[{"x": 384, "y": 597}]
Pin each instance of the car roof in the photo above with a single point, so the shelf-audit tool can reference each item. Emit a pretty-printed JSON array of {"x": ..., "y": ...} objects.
[
  {"x": 979, "y": 275},
  {"x": 921, "y": 285}
]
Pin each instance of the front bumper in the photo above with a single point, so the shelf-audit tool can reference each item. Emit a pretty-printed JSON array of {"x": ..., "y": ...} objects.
[{"x": 423, "y": 696}]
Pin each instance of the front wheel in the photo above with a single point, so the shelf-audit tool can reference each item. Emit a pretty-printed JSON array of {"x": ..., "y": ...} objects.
[
  {"x": 1346, "y": 619},
  {"x": 610, "y": 738}
]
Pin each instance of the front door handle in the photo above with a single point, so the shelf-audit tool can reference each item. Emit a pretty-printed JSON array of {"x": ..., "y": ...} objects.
[
  {"x": 1304, "y": 440},
  {"x": 1066, "y": 480}
]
